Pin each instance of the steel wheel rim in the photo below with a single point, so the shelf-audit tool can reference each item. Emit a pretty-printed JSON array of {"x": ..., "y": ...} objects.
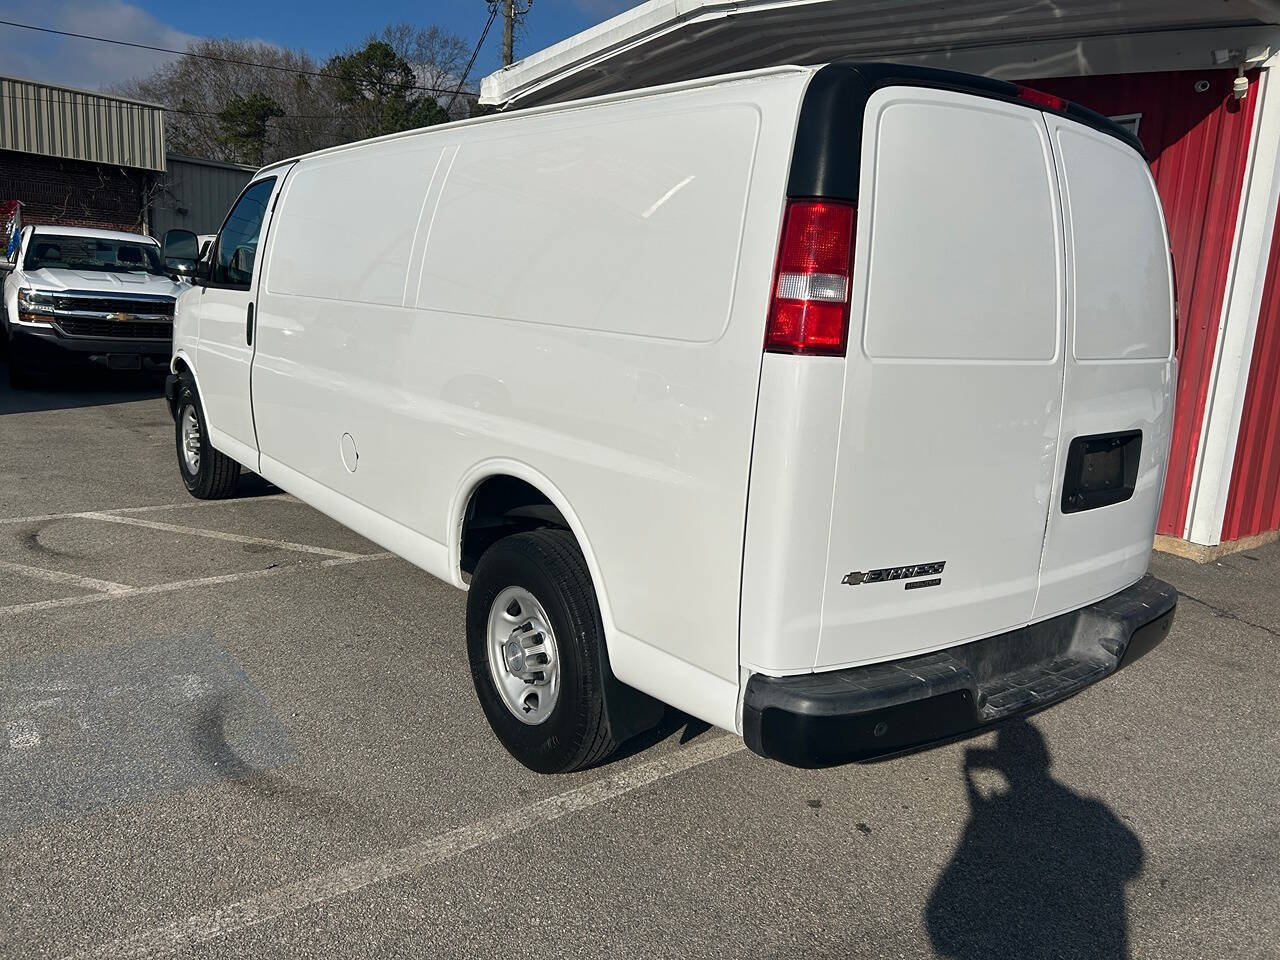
[
  {"x": 524, "y": 660},
  {"x": 190, "y": 440}
]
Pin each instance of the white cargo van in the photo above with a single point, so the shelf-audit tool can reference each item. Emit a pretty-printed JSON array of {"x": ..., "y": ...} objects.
[{"x": 828, "y": 405}]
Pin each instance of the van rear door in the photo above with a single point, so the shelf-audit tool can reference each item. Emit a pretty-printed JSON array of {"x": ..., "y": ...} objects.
[
  {"x": 949, "y": 441},
  {"x": 1120, "y": 374}
]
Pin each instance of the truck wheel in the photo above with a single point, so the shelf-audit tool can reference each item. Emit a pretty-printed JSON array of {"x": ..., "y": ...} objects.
[
  {"x": 207, "y": 473},
  {"x": 19, "y": 378},
  {"x": 534, "y": 638},
  {"x": 19, "y": 370}
]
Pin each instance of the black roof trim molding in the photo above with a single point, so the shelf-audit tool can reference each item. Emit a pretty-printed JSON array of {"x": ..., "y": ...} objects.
[{"x": 829, "y": 135}]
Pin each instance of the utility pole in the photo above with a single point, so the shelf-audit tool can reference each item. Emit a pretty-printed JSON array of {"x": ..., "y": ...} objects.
[
  {"x": 511, "y": 11},
  {"x": 508, "y": 31}
]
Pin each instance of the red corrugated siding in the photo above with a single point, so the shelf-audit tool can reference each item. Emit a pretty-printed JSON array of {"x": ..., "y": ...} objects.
[
  {"x": 1198, "y": 144},
  {"x": 1253, "y": 505}
]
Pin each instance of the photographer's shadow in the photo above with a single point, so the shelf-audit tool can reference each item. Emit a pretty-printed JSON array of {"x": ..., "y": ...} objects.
[{"x": 1041, "y": 870}]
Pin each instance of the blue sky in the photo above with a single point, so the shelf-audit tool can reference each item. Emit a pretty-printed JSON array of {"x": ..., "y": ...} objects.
[{"x": 319, "y": 26}]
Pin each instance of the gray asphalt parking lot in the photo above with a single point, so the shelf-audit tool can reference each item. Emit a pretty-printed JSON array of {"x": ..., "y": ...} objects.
[{"x": 236, "y": 729}]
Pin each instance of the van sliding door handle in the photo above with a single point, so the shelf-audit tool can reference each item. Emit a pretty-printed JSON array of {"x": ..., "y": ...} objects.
[{"x": 248, "y": 326}]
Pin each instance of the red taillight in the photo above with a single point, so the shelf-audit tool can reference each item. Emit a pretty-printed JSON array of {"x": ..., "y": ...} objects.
[
  {"x": 1041, "y": 99},
  {"x": 810, "y": 309}
]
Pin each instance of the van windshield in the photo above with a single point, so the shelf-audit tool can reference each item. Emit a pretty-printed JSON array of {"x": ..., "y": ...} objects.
[{"x": 71, "y": 252}]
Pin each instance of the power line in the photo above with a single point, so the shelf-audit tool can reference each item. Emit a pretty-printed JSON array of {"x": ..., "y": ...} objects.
[
  {"x": 493, "y": 15},
  {"x": 56, "y": 96},
  {"x": 198, "y": 56}
]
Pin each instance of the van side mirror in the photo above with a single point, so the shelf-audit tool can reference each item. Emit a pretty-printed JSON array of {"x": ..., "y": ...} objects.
[{"x": 181, "y": 250}]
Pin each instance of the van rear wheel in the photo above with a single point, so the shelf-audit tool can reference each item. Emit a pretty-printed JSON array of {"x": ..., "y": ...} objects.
[
  {"x": 207, "y": 473},
  {"x": 534, "y": 637}
]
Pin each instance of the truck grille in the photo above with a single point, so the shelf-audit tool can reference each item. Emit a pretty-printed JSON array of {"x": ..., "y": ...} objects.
[
  {"x": 76, "y": 304},
  {"x": 111, "y": 330},
  {"x": 113, "y": 317}
]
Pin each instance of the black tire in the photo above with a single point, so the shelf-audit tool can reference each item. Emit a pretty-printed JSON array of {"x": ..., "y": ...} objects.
[
  {"x": 217, "y": 474},
  {"x": 19, "y": 370},
  {"x": 549, "y": 565},
  {"x": 19, "y": 377}
]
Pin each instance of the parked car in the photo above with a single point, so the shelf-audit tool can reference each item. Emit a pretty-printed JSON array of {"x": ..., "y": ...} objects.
[
  {"x": 828, "y": 405},
  {"x": 79, "y": 295}
]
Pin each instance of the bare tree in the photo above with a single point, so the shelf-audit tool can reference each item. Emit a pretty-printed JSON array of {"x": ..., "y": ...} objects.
[
  {"x": 313, "y": 111},
  {"x": 197, "y": 90},
  {"x": 436, "y": 56}
]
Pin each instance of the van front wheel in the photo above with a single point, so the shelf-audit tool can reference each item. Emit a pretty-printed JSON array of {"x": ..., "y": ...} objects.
[
  {"x": 534, "y": 638},
  {"x": 208, "y": 474}
]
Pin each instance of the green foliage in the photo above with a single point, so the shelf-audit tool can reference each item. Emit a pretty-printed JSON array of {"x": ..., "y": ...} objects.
[
  {"x": 378, "y": 90},
  {"x": 244, "y": 125}
]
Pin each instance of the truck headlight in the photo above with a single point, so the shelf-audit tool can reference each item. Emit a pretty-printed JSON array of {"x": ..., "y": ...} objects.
[{"x": 35, "y": 307}]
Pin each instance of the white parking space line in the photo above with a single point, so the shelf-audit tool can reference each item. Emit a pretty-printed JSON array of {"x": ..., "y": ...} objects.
[
  {"x": 218, "y": 535},
  {"x": 342, "y": 881},
  {"x": 154, "y": 508},
  {"x": 16, "y": 608},
  {"x": 58, "y": 576}
]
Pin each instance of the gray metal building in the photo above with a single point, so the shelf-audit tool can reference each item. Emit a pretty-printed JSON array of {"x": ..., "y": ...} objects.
[
  {"x": 51, "y": 121},
  {"x": 196, "y": 194},
  {"x": 76, "y": 157}
]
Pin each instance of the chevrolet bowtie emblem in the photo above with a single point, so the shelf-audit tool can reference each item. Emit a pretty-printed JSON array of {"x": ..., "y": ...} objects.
[{"x": 121, "y": 317}]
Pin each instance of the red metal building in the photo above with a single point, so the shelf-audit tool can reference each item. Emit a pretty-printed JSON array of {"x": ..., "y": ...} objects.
[
  {"x": 1197, "y": 135},
  {"x": 1198, "y": 83}
]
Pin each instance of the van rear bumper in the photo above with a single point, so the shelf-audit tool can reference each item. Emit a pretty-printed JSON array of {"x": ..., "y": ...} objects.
[{"x": 820, "y": 719}]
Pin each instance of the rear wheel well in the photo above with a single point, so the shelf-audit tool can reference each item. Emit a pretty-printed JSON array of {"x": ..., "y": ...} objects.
[
  {"x": 503, "y": 505},
  {"x": 500, "y": 506}
]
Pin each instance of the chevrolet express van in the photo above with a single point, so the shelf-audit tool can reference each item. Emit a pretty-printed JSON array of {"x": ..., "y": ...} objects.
[{"x": 830, "y": 405}]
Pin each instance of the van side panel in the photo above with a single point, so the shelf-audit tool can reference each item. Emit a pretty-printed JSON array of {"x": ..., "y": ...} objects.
[
  {"x": 591, "y": 303},
  {"x": 352, "y": 222},
  {"x": 793, "y": 467},
  {"x": 1120, "y": 371},
  {"x": 623, "y": 226},
  {"x": 330, "y": 312},
  {"x": 951, "y": 406}
]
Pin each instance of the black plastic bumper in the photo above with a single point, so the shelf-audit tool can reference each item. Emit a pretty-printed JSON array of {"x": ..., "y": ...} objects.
[
  {"x": 47, "y": 349},
  {"x": 820, "y": 719}
]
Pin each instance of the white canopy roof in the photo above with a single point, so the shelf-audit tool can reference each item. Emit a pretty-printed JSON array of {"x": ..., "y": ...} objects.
[{"x": 663, "y": 41}]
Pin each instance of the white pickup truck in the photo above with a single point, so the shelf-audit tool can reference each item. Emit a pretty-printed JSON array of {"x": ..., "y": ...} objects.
[
  {"x": 77, "y": 294},
  {"x": 830, "y": 405}
]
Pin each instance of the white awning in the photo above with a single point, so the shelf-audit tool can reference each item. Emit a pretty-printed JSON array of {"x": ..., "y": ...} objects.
[{"x": 664, "y": 41}]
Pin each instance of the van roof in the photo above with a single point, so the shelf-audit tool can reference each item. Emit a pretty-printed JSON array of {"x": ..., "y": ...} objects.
[
  {"x": 865, "y": 75},
  {"x": 836, "y": 101},
  {"x": 617, "y": 96}
]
